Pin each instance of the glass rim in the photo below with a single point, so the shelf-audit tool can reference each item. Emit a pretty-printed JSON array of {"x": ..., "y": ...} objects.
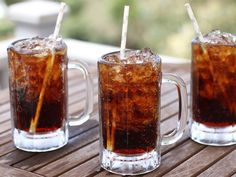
[
  {"x": 21, "y": 50},
  {"x": 197, "y": 41},
  {"x": 102, "y": 60}
]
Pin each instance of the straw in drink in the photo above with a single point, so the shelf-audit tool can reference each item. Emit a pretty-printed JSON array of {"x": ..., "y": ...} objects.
[{"x": 213, "y": 82}]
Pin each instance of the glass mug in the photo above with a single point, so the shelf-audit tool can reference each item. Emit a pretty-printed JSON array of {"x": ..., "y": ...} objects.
[
  {"x": 38, "y": 94},
  {"x": 129, "y": 111},
  {"x": 213, "y": 90}
]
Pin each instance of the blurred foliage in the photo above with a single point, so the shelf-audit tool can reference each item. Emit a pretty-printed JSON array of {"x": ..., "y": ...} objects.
[
  {"x": 162, "y": 25},
  {"x": 6, "y": 28},
  {"x": 9, "y": 2}
]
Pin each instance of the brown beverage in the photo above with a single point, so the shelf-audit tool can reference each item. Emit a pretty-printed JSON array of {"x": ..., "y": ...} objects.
[
  {"x": 129, "y": 101},
  {"x": 28, "y": 62},
  {"x": 214, "y": 80},
  {"x": 129, "y": 111}
]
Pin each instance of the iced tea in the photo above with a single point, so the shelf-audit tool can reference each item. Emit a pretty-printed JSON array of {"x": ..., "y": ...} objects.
[{"x": 28, "y": 60}]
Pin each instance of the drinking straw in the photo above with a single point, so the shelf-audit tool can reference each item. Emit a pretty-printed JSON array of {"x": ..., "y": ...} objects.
[
  {"x": 34, "y": 121},
  {"x": 111, "y": 125},
  {"x": 59, "y": 20},
  {"x": 205, "y": 53},
  {"x": 124, "y": 32},
  {"x": 194, "y": 22}
]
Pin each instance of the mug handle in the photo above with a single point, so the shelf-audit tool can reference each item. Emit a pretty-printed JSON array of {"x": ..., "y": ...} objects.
[
  {"x": 177, "y": 133},
  {"x": 85, "y": 115}
]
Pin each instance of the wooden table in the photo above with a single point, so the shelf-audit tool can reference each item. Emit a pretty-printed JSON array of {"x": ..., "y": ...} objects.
[{"x": 80, "y": 156}]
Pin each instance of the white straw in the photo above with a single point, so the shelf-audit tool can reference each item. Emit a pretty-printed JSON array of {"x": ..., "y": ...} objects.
[
  {"x": 124, "y": 32},
  {"x": 59, "y": 20},
  {"x": 194, "y": 22},
  {"x": 35, "y": 120}
]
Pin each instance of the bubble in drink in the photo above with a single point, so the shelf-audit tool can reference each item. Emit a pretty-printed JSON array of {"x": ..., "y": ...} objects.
[{"x": 28, "y": 60}]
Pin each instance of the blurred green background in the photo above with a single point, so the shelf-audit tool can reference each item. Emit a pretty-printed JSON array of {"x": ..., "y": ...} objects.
[{"x": 162, "y": 25}]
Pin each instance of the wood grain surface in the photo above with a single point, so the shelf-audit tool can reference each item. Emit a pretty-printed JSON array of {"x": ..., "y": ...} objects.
[{"x": 80, "y": 157}]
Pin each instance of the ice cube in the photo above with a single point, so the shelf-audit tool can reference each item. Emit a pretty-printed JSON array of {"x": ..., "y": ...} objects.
[
  {"x": 113, "y": 58},
  {"x": 140, "y": 56},
  {"x": 38, "y": 45},
  {"x": 218, "y": 37},
  {"x": 133, "y": 57}
]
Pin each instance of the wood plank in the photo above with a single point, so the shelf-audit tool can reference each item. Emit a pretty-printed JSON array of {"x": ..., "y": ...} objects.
[
  {"x": 67, "y": 162},
  {"x": 79, "y": 96},
  {"x": 4, "y": 96},
  {"x": 4, "y": 107},
  {"x": 5, "y": 116},
  {"x": 199, "y": 161},
  {"x": 5, "y": 137},
  {"x": 81, "y": 88},
  {"x": 77, "y": 104},
  {"x": 92, "y": 166},
  {"x": 166, "y": 127},
  {"x": 75, "y": 170},
  {"x": 167, "y": 88},
  {"x": 5, "y": 140},
  {"x": 6, "y": 126},
  {"x": 35, "y": 160},
  {"x": 167, "y": 148},
  {"x": 8, "y": 171},
  {"x": 105, "y": 173},
  {"x": 171, "y": 109},
  {"x": 77, "y": 81},
  {"x": 171, "y": 97},
  {"x": 234, "y": 175},
  {"x": 177, "y": 156},
  {"x": 6, "y": 148},
  {"x": 86, "y": 169},
  {"x": 171, "y": 159},
  {"x": 223, "y": 167}
]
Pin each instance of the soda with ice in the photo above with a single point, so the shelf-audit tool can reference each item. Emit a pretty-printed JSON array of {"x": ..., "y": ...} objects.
[
  {"x": 213, "y": 89},
  {"x": 129, "y": 99},
  {"x": 28, "y": 61},
  {"x": 129, "y": 111},
  {"x": 214, "y": 80}
]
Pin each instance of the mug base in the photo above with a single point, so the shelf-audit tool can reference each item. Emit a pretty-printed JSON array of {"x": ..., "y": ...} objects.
[
  {"x": 40, "y": 142},
  {"x": 214, "y": 136},
  {"x": 130, "y": 165}
]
